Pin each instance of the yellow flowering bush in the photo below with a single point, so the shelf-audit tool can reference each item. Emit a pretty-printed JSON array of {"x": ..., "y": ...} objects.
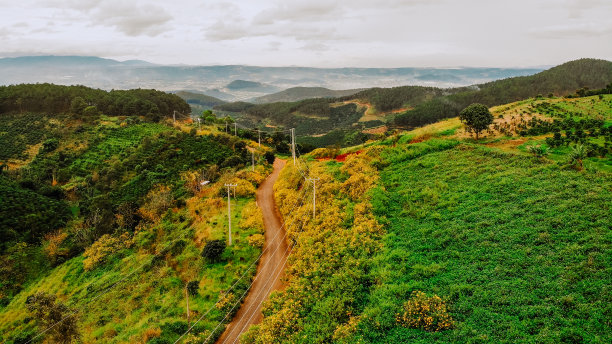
[
  {"x": 427, "y": 312},
  {"x": 104, "y": 247}
]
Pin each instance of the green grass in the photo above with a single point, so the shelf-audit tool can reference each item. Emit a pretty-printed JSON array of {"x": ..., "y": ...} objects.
[
  {"x": 520, "y": 249},
  {"x": 152, "y": 297}
]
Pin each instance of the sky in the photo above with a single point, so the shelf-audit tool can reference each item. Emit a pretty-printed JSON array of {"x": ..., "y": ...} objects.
[{"x": 313, "y": 33}]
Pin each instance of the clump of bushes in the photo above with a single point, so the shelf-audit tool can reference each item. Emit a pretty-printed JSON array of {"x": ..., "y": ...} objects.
[
  {"x": 213, "y": 250},
  {"x": 426, "y": 312}
]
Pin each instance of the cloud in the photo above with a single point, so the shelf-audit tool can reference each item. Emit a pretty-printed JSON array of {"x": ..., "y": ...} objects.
[
  {"x": 132, "y": 18},
  {"x": 579, "y": 30}
]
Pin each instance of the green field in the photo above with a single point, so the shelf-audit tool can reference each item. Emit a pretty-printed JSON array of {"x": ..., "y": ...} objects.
[{"x": 520, "y": 249}]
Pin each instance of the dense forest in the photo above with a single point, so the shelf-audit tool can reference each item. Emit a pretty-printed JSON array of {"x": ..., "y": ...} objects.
[{"x": 85, "y": 101}]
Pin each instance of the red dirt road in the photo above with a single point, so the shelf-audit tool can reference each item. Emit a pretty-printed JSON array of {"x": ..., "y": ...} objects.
[{"x": 270, "y": 269}]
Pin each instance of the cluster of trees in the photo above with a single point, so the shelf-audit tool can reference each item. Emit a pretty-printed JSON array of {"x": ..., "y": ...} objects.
[
  {"x": 388, "y": 99},
  {"x": 85, "y": 101}
]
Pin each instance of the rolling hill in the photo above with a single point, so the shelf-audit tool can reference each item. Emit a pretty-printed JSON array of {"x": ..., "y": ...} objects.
[
  {"x": 300, "y": 93},
  {"x": 412, "y": 106},
  {"x": 430, "y": 236}
]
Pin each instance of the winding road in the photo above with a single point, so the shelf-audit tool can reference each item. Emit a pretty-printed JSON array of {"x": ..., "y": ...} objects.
[{"x": 270, "y": 269}]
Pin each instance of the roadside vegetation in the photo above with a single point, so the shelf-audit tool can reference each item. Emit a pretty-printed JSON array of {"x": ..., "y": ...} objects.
[
  {"x": 105, "y": 219},
  {"x": 473, "y": 241}
]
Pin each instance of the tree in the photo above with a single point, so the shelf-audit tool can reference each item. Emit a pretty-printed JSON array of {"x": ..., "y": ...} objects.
[
  {"x": 60, "y": 320},
  {"x": 78, "y": 105},
  {"x": 270, "y": 157},
  {"x": 476, "y": 117},
  {"x": 213, "y": 250}
]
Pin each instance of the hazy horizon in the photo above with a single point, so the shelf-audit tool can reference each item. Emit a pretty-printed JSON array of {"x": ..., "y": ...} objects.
[{"x": 314, "y": 33}]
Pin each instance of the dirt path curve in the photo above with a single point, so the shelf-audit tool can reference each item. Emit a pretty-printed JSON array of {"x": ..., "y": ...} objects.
[{"x": 269, "y": 266}]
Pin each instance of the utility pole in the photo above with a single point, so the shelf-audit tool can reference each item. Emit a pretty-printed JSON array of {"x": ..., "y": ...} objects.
[
  {"x": 293, "y": 144},
  {"x": 259, "y": 133},
  {"x": 187, "y": 296},
  {"x": 174, "y": 117},
  {"x": 314, "y": 195},
  {"x": 235, "y": 130},
  {"x": 229, "y": 209}
]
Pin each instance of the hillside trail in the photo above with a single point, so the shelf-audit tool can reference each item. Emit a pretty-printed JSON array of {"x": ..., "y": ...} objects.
[{"x": 269, "y": 270}]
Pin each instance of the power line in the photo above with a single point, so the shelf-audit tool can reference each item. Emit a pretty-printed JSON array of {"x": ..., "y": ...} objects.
[
  {"x": 287, "y": 252},
  {"x": 265, "y": 290},
  {"x": 248, "y": 268}
]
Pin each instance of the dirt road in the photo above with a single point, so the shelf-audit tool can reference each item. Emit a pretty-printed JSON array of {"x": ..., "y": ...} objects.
[{"x": 270, "y": 268}]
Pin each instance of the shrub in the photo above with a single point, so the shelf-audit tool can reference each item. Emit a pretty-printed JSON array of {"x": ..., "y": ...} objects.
[
  {"x": 428, "y": 313},
  {"x": 192, "y": 287},
  {"x": 538, "y": 150},
  {"x": 256, "y": 240},
  {"x": 104, "y": 247},
  {"x": 577, "y": 154},
  {"x": 56, "y": 318},
  {"x": 269, "y": 156},
  {"x": 213, "y": 250}
]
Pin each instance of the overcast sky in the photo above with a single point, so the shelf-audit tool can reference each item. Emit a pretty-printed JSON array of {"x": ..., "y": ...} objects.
[{"x": 318, "y": 33}]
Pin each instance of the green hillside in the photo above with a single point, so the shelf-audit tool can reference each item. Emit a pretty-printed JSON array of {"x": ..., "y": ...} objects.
[
  {"x": 412, "y": 106},
  {"x": 106, "y": 217},
  {"x": 199, "y": 99},
  {"x": 300, "y": 93},
  {"x": 469, "y": 242}
]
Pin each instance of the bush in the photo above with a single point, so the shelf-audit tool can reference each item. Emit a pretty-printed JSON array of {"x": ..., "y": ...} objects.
[
  {"x": 192, "y": 287},
  {"x": 428, "y": 313},
  {"x": 213, "y": 250},
  {"x": 538, "y": 150},
  {"x": 269, "y": 156}
]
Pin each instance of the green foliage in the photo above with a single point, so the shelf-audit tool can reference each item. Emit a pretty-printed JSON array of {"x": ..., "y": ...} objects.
[
  {"x": 213, "y": 250},
  {"x": 58, "y": 321},
  {"x": 538, "y": 150},
  {"x": 55, "y": 99},
  {"x": 26, "y": 215},
  {"x": 522, "y": 243},
  {"x": 562, "y": 79},
  {"x": 476, "y": 117}
]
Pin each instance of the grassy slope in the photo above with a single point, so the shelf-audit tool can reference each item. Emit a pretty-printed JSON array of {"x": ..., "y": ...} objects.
[
  {"x": 520, "y": 248},
  {"x": 149, "y": 303},
  {"x": 153, "y": 297}
]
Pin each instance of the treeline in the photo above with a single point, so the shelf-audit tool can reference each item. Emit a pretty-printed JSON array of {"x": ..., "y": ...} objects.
[
  {"x": 561, "y": 80},
  {"x": 81, "y": 100},
  {"x": 388, "y": 99}
]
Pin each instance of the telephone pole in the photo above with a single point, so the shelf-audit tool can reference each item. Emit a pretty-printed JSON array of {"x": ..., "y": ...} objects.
[
  {"x": 293, "y": 144},
  {"x": 235, "y": 130},
  {"x": 187, "y": 296},
  {"x": 174, "y": 117},
  {"x": 259, "y": 140},
  {"x": 229, "y": 210},
  {"x": 314, "y": 195}
]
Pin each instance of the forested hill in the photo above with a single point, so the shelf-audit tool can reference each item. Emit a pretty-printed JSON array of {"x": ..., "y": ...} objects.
[
  {"x": 412, "y": 106},
  {"x": 300, "y": 93},
  {"x": 565, "y": 79},
  {"x": 81, "y": 100}
]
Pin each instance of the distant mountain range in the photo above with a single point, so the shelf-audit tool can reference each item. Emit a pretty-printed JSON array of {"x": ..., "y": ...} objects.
[{"x": 234, "y": 82}]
